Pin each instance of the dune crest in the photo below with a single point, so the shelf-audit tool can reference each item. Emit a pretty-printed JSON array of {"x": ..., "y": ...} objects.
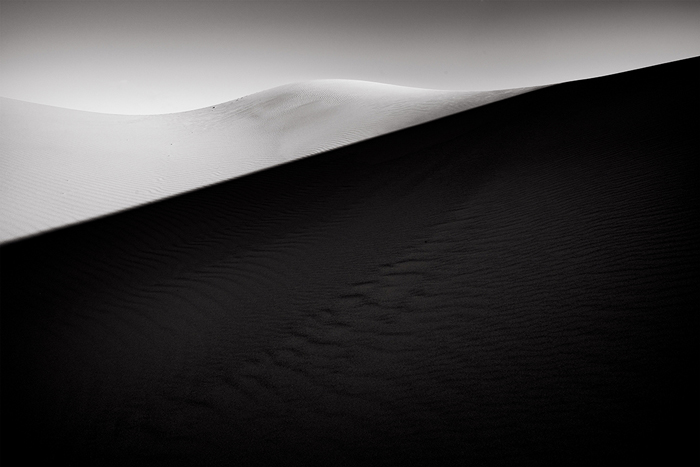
[{"x": 60, "y": 166}]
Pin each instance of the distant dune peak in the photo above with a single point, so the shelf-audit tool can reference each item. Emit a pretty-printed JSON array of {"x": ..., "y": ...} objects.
[{"x": 61, "y": 166}]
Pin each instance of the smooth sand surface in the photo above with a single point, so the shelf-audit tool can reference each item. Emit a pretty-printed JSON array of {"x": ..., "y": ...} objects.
[
  {"x": 60, "y": 166},
  {"x": 512, "y": 285}
]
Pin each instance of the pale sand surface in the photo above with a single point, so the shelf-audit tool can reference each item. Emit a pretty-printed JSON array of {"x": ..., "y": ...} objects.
[
  {"x": 512, "y": 285},
  {"x": 60, "y": 166}
]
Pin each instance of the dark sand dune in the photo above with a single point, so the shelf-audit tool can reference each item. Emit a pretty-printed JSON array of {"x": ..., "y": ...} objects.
[{"x": 515, "y": 284}]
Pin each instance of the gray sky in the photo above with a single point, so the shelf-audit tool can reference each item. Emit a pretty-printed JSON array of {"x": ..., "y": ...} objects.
[{"x": 140, "y": 57}]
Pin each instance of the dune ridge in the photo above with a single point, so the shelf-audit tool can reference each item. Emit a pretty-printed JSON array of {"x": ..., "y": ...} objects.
[
  {"x": 511, "y": 285},
  {"x": 60, "y": 166}
]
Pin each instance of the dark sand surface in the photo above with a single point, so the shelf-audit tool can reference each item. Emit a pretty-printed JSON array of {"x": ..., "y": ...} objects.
[{"x": 515, "y": 284}]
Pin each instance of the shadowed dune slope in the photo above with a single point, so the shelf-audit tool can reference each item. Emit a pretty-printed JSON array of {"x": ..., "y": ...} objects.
[
  {"x": 515, "y": 284},
  {"x": 59, "y": 166}
]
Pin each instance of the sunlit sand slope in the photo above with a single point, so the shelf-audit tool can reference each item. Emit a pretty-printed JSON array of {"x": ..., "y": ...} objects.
[
  {"x": 512, "y": 285},
  {"x": 59, "y": 166}
]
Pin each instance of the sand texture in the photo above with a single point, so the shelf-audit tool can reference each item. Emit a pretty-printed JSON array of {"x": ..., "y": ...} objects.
[
  {"x": 516, "y": 284},
  {"x": 60, "y": 166}
]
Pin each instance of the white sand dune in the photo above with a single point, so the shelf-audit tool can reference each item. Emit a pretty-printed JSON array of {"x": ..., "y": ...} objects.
[{"x": 59, "y": 166}]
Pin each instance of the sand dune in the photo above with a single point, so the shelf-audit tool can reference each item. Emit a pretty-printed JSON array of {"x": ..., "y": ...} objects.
[
  {"x": 511, "y": 285},
  {"x": 60, "y": 166}
]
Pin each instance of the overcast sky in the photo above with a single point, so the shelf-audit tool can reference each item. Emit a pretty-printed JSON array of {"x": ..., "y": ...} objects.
[{"x": 140, "y": 57}]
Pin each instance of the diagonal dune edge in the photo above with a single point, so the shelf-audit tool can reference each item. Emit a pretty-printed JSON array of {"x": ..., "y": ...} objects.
[
  {"x": 60, "y": 166},
  {"x": 512, "y": 285}
]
